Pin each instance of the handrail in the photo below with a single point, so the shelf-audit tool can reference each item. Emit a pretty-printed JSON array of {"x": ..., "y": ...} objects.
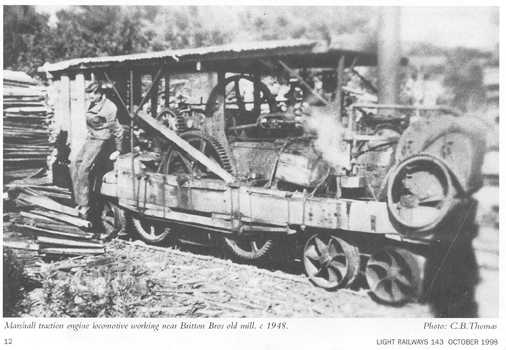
[{"x": 447, "y": 109}]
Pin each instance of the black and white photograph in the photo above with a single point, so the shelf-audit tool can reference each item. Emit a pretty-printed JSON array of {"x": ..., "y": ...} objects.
[{"x": 207, "y": 163}]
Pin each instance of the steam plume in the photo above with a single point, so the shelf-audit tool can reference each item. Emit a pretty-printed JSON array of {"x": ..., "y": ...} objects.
[{"x": 329, "y": 138}]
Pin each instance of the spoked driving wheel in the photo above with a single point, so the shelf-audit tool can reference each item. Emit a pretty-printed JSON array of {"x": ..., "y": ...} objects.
[
  {"x": 151, "y": 231},
  {"x": 249, "y": 248},
  {"x": 112, "y": 219},
  {"x": 393, "y": 276},
  {"x": 330, "y": 262}
]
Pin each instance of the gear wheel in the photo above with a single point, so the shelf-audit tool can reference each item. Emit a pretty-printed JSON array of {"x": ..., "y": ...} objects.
[
  {"x": 172, "y": 119},
  {"x": 225, "y": 160},
  {"x": 176, "y": 161}
]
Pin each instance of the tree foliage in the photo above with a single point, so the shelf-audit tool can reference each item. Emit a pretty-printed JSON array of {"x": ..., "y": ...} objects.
[
  {"x": 99, "y": 31},
  {"x": 83, "y": 31},
  {"x": 27, "y": 38},
  {"x": 464, "y": 76}
]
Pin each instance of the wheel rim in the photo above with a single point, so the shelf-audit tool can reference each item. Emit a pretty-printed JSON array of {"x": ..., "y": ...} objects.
[
  {"x": 393, "y": 276},
  {"x": 150, "y": 231},
  {"x": 330, "y": 262},
  {"x": 251, "y": 248},
  {"x": 420, "y": 192},
  {"x": 110, "y": 220}
]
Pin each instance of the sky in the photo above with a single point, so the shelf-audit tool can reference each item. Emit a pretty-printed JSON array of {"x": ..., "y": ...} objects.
[
  {"x": 475, "y": 27},
  {"x": 444, "y": 26}
]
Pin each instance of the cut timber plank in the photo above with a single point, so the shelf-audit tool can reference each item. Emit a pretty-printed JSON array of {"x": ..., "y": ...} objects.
[
  {"x": 21, "y": 245},
  {"x": 33, "y": 181},
  {"x": 68, "y": 242},
  {"x": 60, "y": 227},
  {"x": 48, "y": 203},
  {"x": 54, "y": 195},
  {"x": 45, "y": 231},
  {"x": 185, "y": 146},
  {"x": 26, "y": 110},
  {"x": 73, "y": 251},
  {"x": 48, "y": 188},
  {"x": 35, "y": 218},
  {"x": 64, "y": 218}
]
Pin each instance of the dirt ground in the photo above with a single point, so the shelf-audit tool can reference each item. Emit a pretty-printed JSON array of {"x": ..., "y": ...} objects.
[{"x": 195, "y": 285}]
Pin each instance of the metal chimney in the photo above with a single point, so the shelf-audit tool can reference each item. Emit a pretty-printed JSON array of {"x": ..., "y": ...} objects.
[{"x": 389, "y": 54}]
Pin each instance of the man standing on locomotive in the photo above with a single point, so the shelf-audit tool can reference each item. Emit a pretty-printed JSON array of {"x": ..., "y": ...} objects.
[{"x": 102, "y": 126}]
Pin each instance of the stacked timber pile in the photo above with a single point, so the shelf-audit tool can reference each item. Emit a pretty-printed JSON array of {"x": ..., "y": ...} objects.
[
  {"x": 39, "y": 222},
  {"x": 26, "y": 118}
]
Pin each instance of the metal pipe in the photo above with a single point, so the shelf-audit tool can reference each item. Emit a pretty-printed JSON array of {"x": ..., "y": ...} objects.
[
  {"x": 389, "y": 55},
  {"x": 339, "y": 87},
  {"x": 130, "y": 110}
]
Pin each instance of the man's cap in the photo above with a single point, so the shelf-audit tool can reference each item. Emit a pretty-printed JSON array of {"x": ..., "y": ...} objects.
[
  {"x": 92, "y": 87},
  {"x": 97, "y": 86}
]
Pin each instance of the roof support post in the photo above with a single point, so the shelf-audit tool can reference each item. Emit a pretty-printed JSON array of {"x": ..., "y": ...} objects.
[
  {"x": 219, "y": 116},
  {"x": 256, "y": 90},
  {"x": 65, "y": 102},
  {"x": 339, "y": 87},
  {"x": 131, "y": 108},
  {"x": 131, "y": 91},
  {"x": 154, "y": 96},
  {"x": 77, "y": 113},
  {"x": 137, "y": 87},
  {"x": 167, "y": 89}
]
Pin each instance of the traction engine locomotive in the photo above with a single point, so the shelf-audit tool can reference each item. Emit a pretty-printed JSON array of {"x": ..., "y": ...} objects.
[{"x": 266, "y": 177}]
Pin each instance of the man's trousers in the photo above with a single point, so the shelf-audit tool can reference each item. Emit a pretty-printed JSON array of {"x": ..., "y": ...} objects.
[{"x": 81, "y": 169}]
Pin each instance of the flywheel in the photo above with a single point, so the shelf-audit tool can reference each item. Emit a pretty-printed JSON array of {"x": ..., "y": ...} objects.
[{"x": 420, "y": 193}]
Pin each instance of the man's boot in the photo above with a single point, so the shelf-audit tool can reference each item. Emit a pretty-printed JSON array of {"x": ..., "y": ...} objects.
[{"x": 84, "y": 211}]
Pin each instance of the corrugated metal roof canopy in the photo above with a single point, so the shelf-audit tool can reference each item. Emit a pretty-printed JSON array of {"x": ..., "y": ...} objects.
[{"x": 234, "y": 57}]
